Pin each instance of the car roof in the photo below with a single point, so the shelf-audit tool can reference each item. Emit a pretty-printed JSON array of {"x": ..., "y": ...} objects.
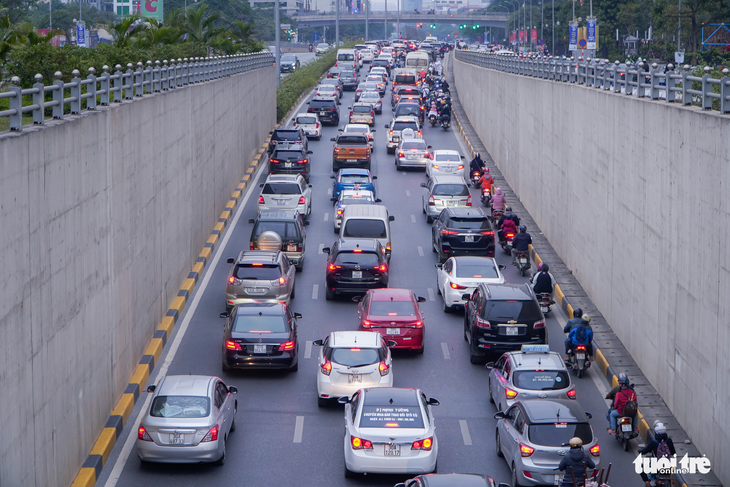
[
  {"x": 554, "y": 410},
  {"x": 283, "y": 178},
  {"x": 366, "y": 244},
  {"x": 275, "y": 215},
  {"x": 185, "y": 385},
  {"x": 325, "y": 100},
  {"x": 520, "y": 292},
  {"x": 352, "y": 134},
  {"x": 530, "y": 360},
  {"x": 396, "y": 396},
  {"x": 444, "y": 179},
  {"x": 454, "y": 480},
  {"x": 305, "y": 114},
  {"x": 355, "y": 192},
  {"x": 466, "y": 212},
  {"x": 473, "y": 259},
  {"x": 391, "y": 294},
  {"x": 357, "y": 126},
  {"x": 286, "y": 128},
  {"x": 406, "y": 118},
  {"x": 446, "y": 151},
  {"x": 268, "y": 309},
  {"x": 350, "y": 339},
  {"x": 267, "y": 256}
]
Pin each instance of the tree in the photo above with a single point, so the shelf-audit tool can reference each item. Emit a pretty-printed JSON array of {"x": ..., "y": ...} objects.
[
  {"x": 199, "y": 26},
  {"x": 126, "y": 32}
]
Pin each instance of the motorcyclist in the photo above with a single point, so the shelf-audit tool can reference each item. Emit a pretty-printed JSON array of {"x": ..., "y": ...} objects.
[
  {"x": 445, "y": 113},
  {"x": 624, "y": 395},
  {"x": 507, "y": 211},
  {"x": 433, "y": 111},
  {"x": 486, "y": 181},
  {"x": 498, "y": 201},
  {"x": 611, "y": 395},
  {"x": 573, "y": 339},
  {"x": 521, "y": 243},
  {"x": 573, "y": 463},
  {"x": 508, "y": 226},
  {"x": 445, "y": 85},
  {"x": 543, "y": 281},
  {"x": 476, "y": 165},
  {"x": 574, "y": 321},
  {"x": 653, "y": 447},
  {"x": 310, "y": 47}
]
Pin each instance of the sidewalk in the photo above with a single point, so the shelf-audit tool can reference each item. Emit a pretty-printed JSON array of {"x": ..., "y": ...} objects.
[{"x": 611, "y": 356}]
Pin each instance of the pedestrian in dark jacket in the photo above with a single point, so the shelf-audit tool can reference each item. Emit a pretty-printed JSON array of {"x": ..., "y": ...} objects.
[{"x": 573, "y": 462}]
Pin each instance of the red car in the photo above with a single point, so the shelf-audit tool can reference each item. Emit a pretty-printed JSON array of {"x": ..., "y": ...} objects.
[{"x": 396, "y": 314}]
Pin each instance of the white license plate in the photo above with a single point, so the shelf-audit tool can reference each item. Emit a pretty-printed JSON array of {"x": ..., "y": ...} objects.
[
  {"x": 288, "y": 164},
  {"x": 469, "y": 238},
  {"x": 450, "y": 203},
  {"x": 580, "y": 356},
  {"x": 357, "y": 274},
  {"x": 396, "y": 139},
  {"x": 626, "y": 428},
  {"x": 280, "y": 202},
  {"x": 176, "y": 439},
  {"x": 322, "y": 114},
  {"x": 558, "y": 478},
  {"x": 523, "y": 261},
  {"x": 411, "y": 157},
  {"x": 352, "y": 160},
  {"x": 259, "y": 348},
  {"x": 510, "y": 330},
  {"x": 352, "y": 378},
  {"x": 256, "y": 290},
  {"x": 392, "y": 331},
  {"x": 291, "y": 247},
  {"x": 391, "y": 450}
]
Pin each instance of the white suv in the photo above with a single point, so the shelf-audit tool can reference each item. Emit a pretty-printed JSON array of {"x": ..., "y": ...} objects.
[
  {"x": 286, "y": 192},
  {"x": 396, "y": 126}
]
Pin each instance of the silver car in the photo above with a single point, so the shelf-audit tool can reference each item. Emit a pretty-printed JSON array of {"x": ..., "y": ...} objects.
[
  {"x": 189, "y": 420},
  {"x": 441, "y": 192},
  {"x": 260, "y": 276},
  {"x": 533, "y": 437},
  {"x": 286, "y": 192},
  {"x": 534, "y": 372},
  {"x": 351, "y": 197},
  {"x": 373, "y": 98},
  {"x": 448, "y": 162},
  {"x": 412, "y": 153},
  {"x": 396, "y": 126}
]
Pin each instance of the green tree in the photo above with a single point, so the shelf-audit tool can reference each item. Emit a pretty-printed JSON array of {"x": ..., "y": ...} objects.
[{"x": 126, "y": 31}]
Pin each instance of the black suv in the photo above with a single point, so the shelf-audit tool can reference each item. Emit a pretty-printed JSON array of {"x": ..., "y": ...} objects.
[
  {"x": 290, "y": 159},
  {"x": 287, "y": 134},
  {"x": 355, "y": 266},
  {"x": 462, "y": 231},
  {"x": 326, "y": 109},
  {"x": 288, "y": 225},
  {"x": 410, "y": 109},
  {"x": 501, "y": 318}
]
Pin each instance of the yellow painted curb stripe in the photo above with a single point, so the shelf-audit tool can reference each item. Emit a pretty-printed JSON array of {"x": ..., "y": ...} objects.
[
  {"x": 178, "y": 303},
  {"x": 206, "y": 252},
  {"x": 105, "y": 443},
  {"x": 188, "y": 285},
  {"x": 154, "y": 348},
  {"x": 246, "y": 178},
  {"x": 231, "y": 204},
  {"x": 601, "y": 361},
  {"x": 559, "y": 294},
  {"x": 226, "y": 215},
  {"x": 167, "y": 324},
  {"x": 85, "y": 478},
  {"x": 198, "y": 268},
  {"x": 140, "y": 376},
  {"x": 124, "y": 406}
]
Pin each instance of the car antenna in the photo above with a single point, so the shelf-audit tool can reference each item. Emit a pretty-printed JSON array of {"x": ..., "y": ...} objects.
[
  {"x": 391, "y": 400},
  {"x": 260, "y": 313}
]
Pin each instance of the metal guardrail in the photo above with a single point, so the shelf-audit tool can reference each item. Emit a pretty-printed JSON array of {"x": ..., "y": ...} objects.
[
  {"x": 674, "y": 85},
  {"x": 121, "y": 85}
]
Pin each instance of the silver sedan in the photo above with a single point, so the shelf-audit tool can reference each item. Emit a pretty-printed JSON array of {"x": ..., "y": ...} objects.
[{"x": 412, "y": 153}]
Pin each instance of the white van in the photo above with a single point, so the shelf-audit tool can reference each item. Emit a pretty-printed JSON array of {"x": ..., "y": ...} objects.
[
  {"x": 417, "y": 60},
  {"x": 367, "y": 221},
  {"x": 347, "y": 59}
]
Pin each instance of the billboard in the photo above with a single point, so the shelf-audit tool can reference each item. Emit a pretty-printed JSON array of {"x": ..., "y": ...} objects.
[{"x": 151, "y": 9}]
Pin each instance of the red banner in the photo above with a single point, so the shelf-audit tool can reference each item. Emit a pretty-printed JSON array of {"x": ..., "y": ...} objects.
[
  {"x": 534, "y": 35},
  {"x": 522, "y": 36},
  {"x": 512, "y": 37}
]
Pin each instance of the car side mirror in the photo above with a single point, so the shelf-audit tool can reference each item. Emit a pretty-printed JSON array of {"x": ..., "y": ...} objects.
[
  {"x": 318, "y": 343},
  {"x": 344, "y": 400},
  {"x": 423, "y": 185},
  {"x": 391, "y": 218},
  {"x": 310, "y": 152},
  {"x": 356, "y": 299},
  {"x": 151, "y": 388},
  {"x": 433, "y": 402},
  {"x": 231, "y": 260},
  {"x": 400, "y": 485},
  {"x": 233, "y": 389},
  {"x": 387, "y": 126},
  {"x": 311, "y": 186},
  {"x": 439, "y": 266},
  {"x": 297, "y": 315},
  {"x": 261, "y": 185},
  {"x": 375, "y": 177},
  {"x": 590, "y": 416},
  {"x": 333, "y": 139},
  {"x": 333, "y": 199},
  {"x": 325, "y": 250},
  {"x": 421, "y": 299},
  {"x": 332, "y": 176},
  {"x": 499, "y": 415},
  {"x": 466, "y": 297},
  {"x": 502, "y": 267},
  {"x": 429, "y": 147},
  {"x": 307, "y": 104},
  {"x": 349, "y": 108},
  {"x": 392, "y": 343},
  {"x": 378, "y": 200},
  {"x": 373, "y": 130},
  {"x": 489, "y": 365},
  {"x": 225, "y": 314},
  {"x": 251, "y": 221}
]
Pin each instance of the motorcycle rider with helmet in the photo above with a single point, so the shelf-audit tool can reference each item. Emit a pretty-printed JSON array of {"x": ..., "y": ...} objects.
[
  {"x": 625, "y": 394},
  {"x": 477, "y": 164},
  {"x": 573, "y": 464},
  {"x": 508, "y": 226},
  {"x": 573, "y": 338},
  {"x": 611, "y": 395},
  {"x": 521, "y": 243},
  {"x": 543, "y": 281},
  {"x": 445, "y": 113},
  {"x": 486, "y": 181},
  {"x": 660, "y": 436},
  {"x": 498, "y": 201}
]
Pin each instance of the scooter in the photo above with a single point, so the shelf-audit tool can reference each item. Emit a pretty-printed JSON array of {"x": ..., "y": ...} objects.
[
  {"x": 545, "y": 301},
  {"x": 475, "y": 177},
  {"x": 446, "y": 123},
  {"x": 579, "y": 362},
  {"x": 486, "y": 196},
  {"x": 522, "y": 262},
  {"x": 506, "y": 243},
  {"x": 625, "y": 432},
  {"x": 496, "y": 215},
  {"x": 433, "y": 119}
]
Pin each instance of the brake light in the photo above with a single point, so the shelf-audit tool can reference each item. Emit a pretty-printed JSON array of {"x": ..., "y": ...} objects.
[
  {"x": 449, "y": 232},
  {"x": 287, "y": 346},
  {"x": 525, "y": 450},
  {"x": 382, "y": 268},
  {"x": 366, "y": 324},
  {"x": 468, "y": 201},
  {"x": 401, "y": 154},
  {"x": 488, "y": 232},
  {"x": 316, "y": 125},
  {"x": 457, "y": 286},
  {"x": 424, "y": 444},
  {"x": 390, "y": 133},
  {"x": 419, "y": 134},
  {"x": 333, "y": 109},
  {"x": 509, "y": 393},
  {"x": 142, "y": 434},
  {"x": 339, "y": 212},
  {"x": 384, "y": 369},
  {"x": 431, "y": 202},
  {"x": 331, "y": 267},
  {"x": 351, "y": 113},
  {"x": 580, "y": 348},
  {"x": 212, "y": 434},
  {"x": 461, "y": 166},
  {"x": 483, "y": 323},
  {"x": 596, "y": 450},
  {"x": 360, "y": 444},
  {"x": 325, "y": 367},
  {"x": 387, "y": 247},
  {"x": 303, "y": 161},
  {"x": 539, "y": 324},
  {"x": 302, "y": 201},
  {"x": 571, "y": 394},
  {"x": 231, "y": 345},
  {"x": 282, "y": 280},
  {"x": 428, "y": 155},
  {"x": 357, "y": 251},
  {"x": 435, "y": 166},
  {"x": 261, "y": 200},
  {"x": 510, "y": 235}
]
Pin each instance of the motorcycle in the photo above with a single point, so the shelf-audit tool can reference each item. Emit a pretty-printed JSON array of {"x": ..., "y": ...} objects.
[
  {"x": 486, "y": 196},
  {"x": 579, "y": 362},
  {"x": 625, "y": 432},
  {"x": 506, "y": 243},
  {"x": 311, "y": 48},
  {"x": 446, "y": 123},
  {"x": 433, "y": 119},
  {"x": 475, "y": 177},
  {"x": 545, "y": 301},
  {"x": 496, "y": 215},
  {"x": 523, "y": 263}
]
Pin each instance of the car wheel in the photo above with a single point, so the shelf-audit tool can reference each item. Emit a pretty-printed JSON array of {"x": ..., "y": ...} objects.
[
  {"x": 429, "y": 219},
  {"x": 498, "y": 445},
  {"x": 329, "y": 295},
  {"x": 419, "y": 351},
  {"x": 446, "y": 308},
  {"x": 293, "y": 292},
  {"x": 397, "y": 164},
  {"x": 225, "y": 367},
  {"x": 466, "y": 328},
  {"x": 295, "y": 367},
  {"x": 299, "y": 268},
  {"x": 222, "y": 460},
  {"x": 349, "y": 473},
  {"x": 436, "y": 467},
  {"x": 233, "y": 423},
  {"x": 322, "y": 402},
  {"x": 475, "y": 359},
  {"x": 515, "y": 482},
  {"x": 491, "y": 399}
]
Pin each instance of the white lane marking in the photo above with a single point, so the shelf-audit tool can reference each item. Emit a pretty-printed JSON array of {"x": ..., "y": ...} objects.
[
  {"x": 431, "y": 297},
  {"x": 197, "y": 296},
  {"x": 413, "y": 218},
  {"x": 298, "y": 429},
  {"x": 420, "y": 251},
  {"x": 329, "y": 191},
  {"x": 465, "y": 432},
  {"x": 315, "y": 291},
  {"x": 308, "y": 349},
  {"x": 445, "y": 349},
  {"x": 408, "y": 192},
  {"x": 321, "y": 246},
  {"x": 326, "y": 216}
]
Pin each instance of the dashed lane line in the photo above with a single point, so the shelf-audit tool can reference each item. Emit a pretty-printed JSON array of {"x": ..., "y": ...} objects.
[
  {"x": 431, "y": 296},
  {"x": 420, "y": 251},
  {"x": 315, "y": 291},
  {"x": 413, "y": 218},
  {"x": 326, "y": 216},
  {"x": 445, "y": 349},
  {"x": 465, "y": 432},
  {"x": 298, "y": 429},
  {"x": 308, "y": 349},
  {"x": 408, "y": 192}
]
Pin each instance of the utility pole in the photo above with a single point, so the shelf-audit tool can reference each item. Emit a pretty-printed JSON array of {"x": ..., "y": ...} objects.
[
  {"x": 531, "y": 25},
  {"x": 397, "y": 23},
  {"x": 552, "y": 49},
  {"x": 277, "y": 47},
  {"x": 679, "y": 26},
  {"x": 385, "y": 26},
  {"x": 337, "y": 23},
  {"x": 50, "y": 14},
  {"x": 367, "y": 19}
]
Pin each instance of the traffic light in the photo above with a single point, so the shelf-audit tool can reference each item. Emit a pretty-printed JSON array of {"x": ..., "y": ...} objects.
[
  {"x": 475, "y": 27},
  {"x": 433, "y": 26}
]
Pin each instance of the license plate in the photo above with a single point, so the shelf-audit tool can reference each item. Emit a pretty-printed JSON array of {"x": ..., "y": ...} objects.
[
  {"x": 580, "y": 356},
  {"x": 357, "y": 274},
  {"x": 288, "y": 164},
  {"x": 176, "y": 439},
  {"x": 469, "y": 238},
  {"x": 411, "y": 157},
  {"x": 626, "y": 428},
  {"x": 558, "y": 478},
  {"x": 352, "y": 378},
  {"x": 510, "y": 330},
  {"x": 392, "y": 331},
  {"x": 322, "y": 114},
  {"x": 291, "y": 247},
  {"x": 256, "y": 290},
  {"x": 352, "y": 160},
  {"x": 450, "y": 203},
  {"x": 392, "y": 450},
  {"x": 280, "y": 202},
  {"x": 396, "y": 139},
  {"x": 259, "y": 348},
  {"x": 523, "y": 261}
]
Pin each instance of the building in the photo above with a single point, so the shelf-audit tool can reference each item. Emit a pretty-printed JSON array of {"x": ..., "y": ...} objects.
[{"x": 290, "y": 7}]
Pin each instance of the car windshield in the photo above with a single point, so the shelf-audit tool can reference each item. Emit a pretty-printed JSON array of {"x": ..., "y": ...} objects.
[
  {"x": 288, "y": 58},
  {"x": 287, "y": 155},
  {"x": 392, "y": 308},
  {"x": 362, "y": 109},
  {"x": 520, "y": 311},
  {"x": 180, "y": 407},
  {"x": 323, "y": 45},
  {"x": 559, "y": 434},
  {"x": 486, "y": 270},
  {"x": 257, "y": 271},
  {"x": 405, "y": 125},
  {"x": 286, "y": 230},
  {"x": 355, "y": 357},
  {"x": 391, "y": 416},
  {"x": 354, "y": 179},
  {"x": 541, "y": 380},
  {"x": 281, "y": 188},
  {"x": 321, "y": 104},
  {"x": 450, "y": 190},
  {"x": 327, "y": 88},
  {"x": 412, "y": 144},
  {"x": 366, "y": 259},
  {"x": 352, "y": 200},
  {"x": 352, "y": 139},
  {"x": 469, "y": 223},
  {"x": 362, "y": 228},
  {"x": 260, "y": 323},
  {"x": 345, "y": 57},
  {"x": 448, "y": 157},
  {"x": 306, "y": 120}
]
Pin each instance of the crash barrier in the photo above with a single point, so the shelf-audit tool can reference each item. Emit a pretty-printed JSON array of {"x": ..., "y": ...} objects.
[
  {"x": 675, "y": 85},
  {"x": 108, "y": 88}
]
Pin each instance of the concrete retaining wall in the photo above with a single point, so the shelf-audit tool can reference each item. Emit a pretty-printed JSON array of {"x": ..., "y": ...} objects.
[
  {"x": 102, "y": 216},
  {"x": 632, "y": 194}
]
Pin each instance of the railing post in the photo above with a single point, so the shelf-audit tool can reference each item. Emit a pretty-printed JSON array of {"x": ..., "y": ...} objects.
[
  {"x": 118, "y": 83},
  {"x": 706, "y": 88},
  {"x": 157, "y": 77},
  {"x": 58, "y": 96},
  {"x": 671, "y": 83},
  {"x": 616, "y": 77},
  {"x": 147, "y": 78},
  {"x": 640, "y": 80},
  {"x": 75, "y": 92},
  {"x": 185, "y": 72},
  {"x": 39, "y": 99},
  {"x": 91, "y": 89},
  {"x": 164, "y": 76},
  {"x": 138, "y": 80},
  {"x": 725, "y": 91},
  {"x": 654, "y": 81},
  {"x": 104, "y": 86},
  {"x": 128, "y": 82},
  {"x": 686, "y": 85},
  {"x": 16, "y": 103}
]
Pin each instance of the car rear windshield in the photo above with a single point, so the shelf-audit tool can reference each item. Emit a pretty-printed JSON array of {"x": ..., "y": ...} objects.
[
  {"x": 256, "y": 271},
  {"x": 541, "y": 380},
  {"x": 362, "y": 109},
  {"x": 287, "y": 155},
  {"x": 354, "y": 357},
  {"x": 322, "y": 104},
  {"x": 413, "y": 145},
  {"x": 260, "y": 324},
  {"x": 355, "y": 179},
  {"x": 352, "y": 139},
  {"x": 345, "y": 57},
  {"x": 391, "y": 417},
  {"x": 347, "y": 74},
  {"x": 392, "y": 308},
  {"x": 405, "y": 79},
  {"x": 286, "y": 230},
  {"x": 286, "y": 135},
  {"x": 476, "y": 270},
  {"x": 369, "y": 94},
  {"x": 407, "y": 110},
  {"x": 282, "y": 188},
  {"x": 180, "y": 407},
  {"x": 559, "y": 434},
  {"x": 408, "y": 91},
  {"x": 306, "y": 120},
  {"x": 448, "y": 157},
  {"x": 362, "y": 228},
  {"x": 366, "y": 259},
  {"x": 468, "y": 223},
  {"x": 450, "y": 190},
  {"x": 405, "y": 125},
  {"x": 521, "y": 311}
]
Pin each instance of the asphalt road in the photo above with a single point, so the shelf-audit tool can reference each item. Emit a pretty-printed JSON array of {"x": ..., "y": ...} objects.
[
  {"x": 304, "y": 58},
  {"x": 272, "y": 446}
]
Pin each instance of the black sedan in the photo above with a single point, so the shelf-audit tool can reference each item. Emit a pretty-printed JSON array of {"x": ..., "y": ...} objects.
[
  {"x": 355, "y": 266},
  {"x": 260, "y": 336},
  {"x": 462, "y": 231}
]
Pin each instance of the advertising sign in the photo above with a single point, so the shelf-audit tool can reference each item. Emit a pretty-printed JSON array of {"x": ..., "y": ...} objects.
[
  {"x": 81, "y": 35},
  {"x": 591, "y": 34},
  {"x": 152, "y": 9},
  {"x": 522, "y": 36},
  {"x": 512, "y": 37},
  {"x": 573, "y": 39},
  {"x": 534, "y": 36}
]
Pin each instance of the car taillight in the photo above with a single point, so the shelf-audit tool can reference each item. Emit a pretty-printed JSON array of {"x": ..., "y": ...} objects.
[
  {"x": 596, "y": 450},
  {"x": 382, "y": 268},
  {"x": 367, "y": 151},
  {"x": 366, "y": 324},
  {"x": 350, "y": 113},
  {"x": 481, "y": 323},
  {"x": 339, "y": 212},
  {"x": 525, "y": 450},
  {"x": 331, "y": 267},
  {"x": 360, "y": 444},
  {"x": 449, "y": 232},
  {"x": 461, "y": 166},
  {"x": 261, "y": 200},
  {"x": 509, "y": 393},
  {"x": 401, "y": 154},
  {"x": 571, "y": 394},
  {"x": 282, "y": 280},
  {"x": 428, "y": 155},
  {"x": 468, "y": 201},
  {"x": 212, "y": 434},
  {"x": 419, "y": 134},
  {"x": 275, "y": 161},
  {"x": 231, "y": 345},
  {"x": 251, "y": 246},
  {"x": 287, "y": 346},
  {"x": 234, "y": 281},
  {"x": 390, "y": 133},
  {"x": 316, "y": 125},
  {"x": 142, "y": 434},
  {"x": 333, "y": 109},
  {"x": 302, "y": 201},
  {"x": 303, "y": 161},
  {"x": 384, "y": 369},
  {"x": 457, "y": 286},
  {"x": 435, "y": 166},
  {"x": 325, "y": 367},
  {"x": 431, "y": 201},
  {"x": 488, "y": 232},
  {"x": 424, "y": 444}
]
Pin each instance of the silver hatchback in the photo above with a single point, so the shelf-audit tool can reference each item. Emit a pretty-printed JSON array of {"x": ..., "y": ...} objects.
[
  {"x": 443, "y": 192},
  {"x": 412, "y": 153},
  {"x": 260, "y": 276},
  {"x": 189, "y": 420}
]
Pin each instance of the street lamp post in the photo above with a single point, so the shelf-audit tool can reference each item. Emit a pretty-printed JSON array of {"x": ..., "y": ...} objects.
[
  {"x": 277, "y": 47},
  {"x": 531, "y": 25},
  {"x": 337, "y": 23},
  {"x": 385, "y": 25},
  {"x": 397, "y": 22},
  {"x": 517, "y": 22},
  {"x": 552, "y": 49},
  {"x": 367, "y": 18}
]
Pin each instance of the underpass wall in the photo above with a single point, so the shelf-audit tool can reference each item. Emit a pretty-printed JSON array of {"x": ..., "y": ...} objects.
[
  {"x": 102, "y": 216},
  {"x": 632, "y": 195}
]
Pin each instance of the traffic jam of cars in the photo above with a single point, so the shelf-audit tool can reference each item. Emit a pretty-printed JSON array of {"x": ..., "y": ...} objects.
[{"x": 388, "y": 429}]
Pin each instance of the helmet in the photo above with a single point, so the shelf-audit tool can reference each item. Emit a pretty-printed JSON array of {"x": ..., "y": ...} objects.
[
  {"x": 539, "y": 267},
  {"x": 486, "y": 170},
  {"x": 523, "y": 229},
  {"x": 623, "y": 376},
  {"x": 509, "y": 215},
  {"x": 508, "y": 209},
  {"x": 623, "y": 381},
  {"x": 586, "y": 317},
  {"x": 576, "y": 442},
  {"x": 659, "y": 428},
  {"x": 577, "y": 313},
  {"x": 545, "y": 267}
]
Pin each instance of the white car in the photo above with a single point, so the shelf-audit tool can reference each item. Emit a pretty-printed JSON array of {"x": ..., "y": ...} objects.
[
  {"x": 447, "y": 163},
  {"x": 396, "y": 126},
  {"x": 381, "y": 71},
  {"x": 462, "y": 274},
  {"x": 389, "y": 430},
  {"x": 322, "y": 47},
  {"x": 309, "y": 122},
  {"x": 349, "y": 360},
  {"x": 374, "y": 99},
  {"x": 367, "y": 56},
  {"x": 327, "y": 92},
  {"x": 286, "y": 192},
  {"x": 361, "y": 128}
]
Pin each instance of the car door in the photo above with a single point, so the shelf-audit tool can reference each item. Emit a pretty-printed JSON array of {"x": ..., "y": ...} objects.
[
  {"x": 220, "y": 413},
  {"x": 289, "y": 271},
  {"x": 227, "y": 403},
  {"x": 503, "y": 375},
  {"x": 510, "y": 439},
  {"x": 306, "y": 192},
  {"x": 447, "y": 271},
  {"x": 362, "y": 306},
  {"x": 425, "y": 196},
  {"x": 494, "y": 377},
  {"x": 469, "y": 314}
]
